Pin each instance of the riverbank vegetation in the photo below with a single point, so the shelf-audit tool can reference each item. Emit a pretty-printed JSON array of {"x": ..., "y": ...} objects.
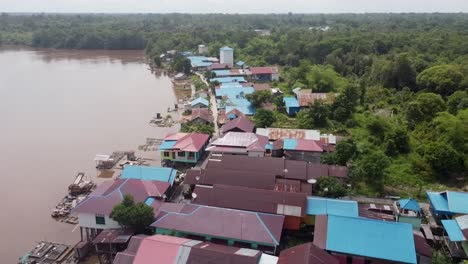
[{"x": 400, "y": 80}]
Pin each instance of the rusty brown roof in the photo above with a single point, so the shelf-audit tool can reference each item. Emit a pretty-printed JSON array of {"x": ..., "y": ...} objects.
[
  {"x": 241, "y": 123},
  {"x": 250, "y": 199},
  {"x": 306, "y": 97},
  {"x": 306, "y": 253},
  {"x": 202, "y": 113}
]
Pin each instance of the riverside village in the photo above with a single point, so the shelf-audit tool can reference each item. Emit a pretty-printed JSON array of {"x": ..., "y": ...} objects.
[{"x": 231, "y": 188}]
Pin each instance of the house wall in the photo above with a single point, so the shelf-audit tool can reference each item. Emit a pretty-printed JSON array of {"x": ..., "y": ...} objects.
[
  {"x": 311, "y": 156},
  {"x": 275, "y": 77},
  {"x": 256, "y": 154},
  {"x": 89, "y": 220},
  {"x": 414, "y": 221},
  {"x": 199, "y": 105},
  {"x": 175, "y": 157},
  {"x": 292, "y": 110}
]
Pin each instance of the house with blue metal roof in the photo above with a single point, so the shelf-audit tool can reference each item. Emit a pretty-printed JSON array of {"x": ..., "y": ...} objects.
[
  {"x": 292, "y": 105},
  {"x": 147, "y": 173},
  {"x": 456, "y": 237},
  {"x": 326, "y": 206},
  {"x": 233, "y": 96},
  {"x": 447, "y": 204},
  {"x": 365, "y": 238},
  {"x": 230, "y": 79},
  {"x": 199, "y": 103},
  {"x": 408, "y": 211}
]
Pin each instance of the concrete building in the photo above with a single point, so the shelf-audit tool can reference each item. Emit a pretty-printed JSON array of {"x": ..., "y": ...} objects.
[
  {"x": 202, "y": 49},
  {"x": 226, "y": 56}
]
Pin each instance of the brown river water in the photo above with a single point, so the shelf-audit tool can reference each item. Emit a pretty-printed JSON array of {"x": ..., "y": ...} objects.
[{"x": 58, "y": 109}]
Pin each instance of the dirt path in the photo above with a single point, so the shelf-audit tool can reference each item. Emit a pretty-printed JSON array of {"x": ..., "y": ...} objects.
[{"x": 213, "y": 105}]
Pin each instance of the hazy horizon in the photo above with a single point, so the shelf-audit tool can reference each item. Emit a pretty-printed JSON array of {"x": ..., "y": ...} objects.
[{"x": 234, "y": 7}]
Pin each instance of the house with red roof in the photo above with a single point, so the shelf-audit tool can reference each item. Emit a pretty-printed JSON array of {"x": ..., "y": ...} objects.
[
  {"x": 240, "y": 124},
  {"x": 201, "y": 116},
  {"x": 307, "y": 253},
  {"x": 184, "y": 147},
  {"x": 169, "y": 249},
  {"x": 220, "y": 225},
  {"x": 269, "y": 74},
  {"x": 238, "y": 143},
  {"x": 94, "y": 211}
]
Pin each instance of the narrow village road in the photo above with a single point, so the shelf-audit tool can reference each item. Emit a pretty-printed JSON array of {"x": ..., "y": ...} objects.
[{"x": 213, "y": 105}]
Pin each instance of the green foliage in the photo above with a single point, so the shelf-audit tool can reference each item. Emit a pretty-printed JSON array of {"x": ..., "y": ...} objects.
[
  {"x": 345, "y": 104},
  {"x": 315, "y": 116},
  {"x": 345, "y": 151},
  {"x": 441, "y": 79},
  {"x": 457, "y": 101},
  {"x": 133, "y": 215},
  {"x": 443, "y": 159},
  {"x": 439, "y": 257},
  {"x": 397, "y": 142},
  {"x": 397, "y": 72},
  {"x": 279, "y": 103},
  {"x": 264, "y": 118},
  {"x": 199, "y": 84},
  {"x": 197, "y": 128},
  {"x": 424, "y": 108},
  {"x": 258, "y": 98},
  {"x": 319, "y": 78},
  {"x": 181, "y": 64},
  {"x": 370, "y": 169},
  {"x": 329, "y": 187}
]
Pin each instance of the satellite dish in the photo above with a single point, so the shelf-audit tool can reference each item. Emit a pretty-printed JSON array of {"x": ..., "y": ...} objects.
[
  {"x": 194, "y": 195},
  {"x": 197, "y": 178},
  {"x": 312, "y": 181}
]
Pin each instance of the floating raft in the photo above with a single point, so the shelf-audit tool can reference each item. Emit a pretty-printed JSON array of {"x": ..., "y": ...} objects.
[{"x": 49, "y": 252}]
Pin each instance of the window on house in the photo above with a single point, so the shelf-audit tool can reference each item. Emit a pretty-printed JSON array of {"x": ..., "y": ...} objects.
[
  {"x": 191, "y": 155},
  {"x": 100, "y": 220},
  {"x": 166, "y": 154},
  {"x": 181, "y": 154}
]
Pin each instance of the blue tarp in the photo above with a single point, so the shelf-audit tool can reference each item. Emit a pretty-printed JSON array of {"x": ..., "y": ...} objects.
[
  {"x": 453, "y": 230},
  {"x": 234, "y": 98},
  {"x": 200, "y": 100},
  {"x": 409, "y": 204},
  {"x": 449, "y": 202},
  {"x": 147, "y": 173},
  {"x": 167, "y": 144},
  {"x": 228, "y": 79},
  {"x": 240, "y": 63},
  {"x": 371, "y": 238},
  {"x": 324, "y": 206}
]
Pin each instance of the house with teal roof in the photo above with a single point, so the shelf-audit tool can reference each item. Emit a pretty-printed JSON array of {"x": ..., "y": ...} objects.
[
  {"x": 149, "y": 173},
  {"x": 292, "y": 105},
  {"x": 199, "y": 103},
  {"x": 326, "y": 206},
  {"x": 408, "y": 211}
]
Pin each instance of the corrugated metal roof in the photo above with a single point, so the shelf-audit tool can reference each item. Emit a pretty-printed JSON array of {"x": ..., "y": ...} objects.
[
  {"x": 225, "y": 223},
  {"x": 409, "y": 204},
  {"x": 128, "y": 255},
  {"x": 167, "y": 144},
  {"x": 192, "y": 142},
  {"x": 283, "y": 133},
  {"x": 108, "y": 194},
  {"x": 449, "y": 202},
  {"x": 200, "y": 100},
  {"x": 325, "y": 206},
  {"x": 263, "y": 70},
  {"x": 163, "y": 248},
  {"x": 203, "y": 114},
  {"x": 199, "y": 61},
  {"x": 215, "y": 66},
  {"x": 454, "y": 232},
  {"x": 306, "y": 253},
  {"x": 290, "y": 102},
  {"x": 251, "y": 199},
  {"x": 240, "y": 141},
  {"x": 148, "y": 173},
  {"x": 370, "y": 238},
  {"x": 241, "y": 123},
  {"x": 306, "y": 97},
  {"x": 301, "y": 145},
  {"x": 235, "y": 79}
]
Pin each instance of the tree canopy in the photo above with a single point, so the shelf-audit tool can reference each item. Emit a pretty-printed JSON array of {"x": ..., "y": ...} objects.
[{"x": 133, "y": 215}]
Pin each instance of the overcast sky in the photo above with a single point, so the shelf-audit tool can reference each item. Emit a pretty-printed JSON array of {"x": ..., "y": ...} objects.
[{"x": 233, "y": 6}]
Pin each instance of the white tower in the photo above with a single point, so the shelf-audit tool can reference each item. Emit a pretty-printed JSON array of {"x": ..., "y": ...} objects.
[{"x": 226, "y": 55}]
